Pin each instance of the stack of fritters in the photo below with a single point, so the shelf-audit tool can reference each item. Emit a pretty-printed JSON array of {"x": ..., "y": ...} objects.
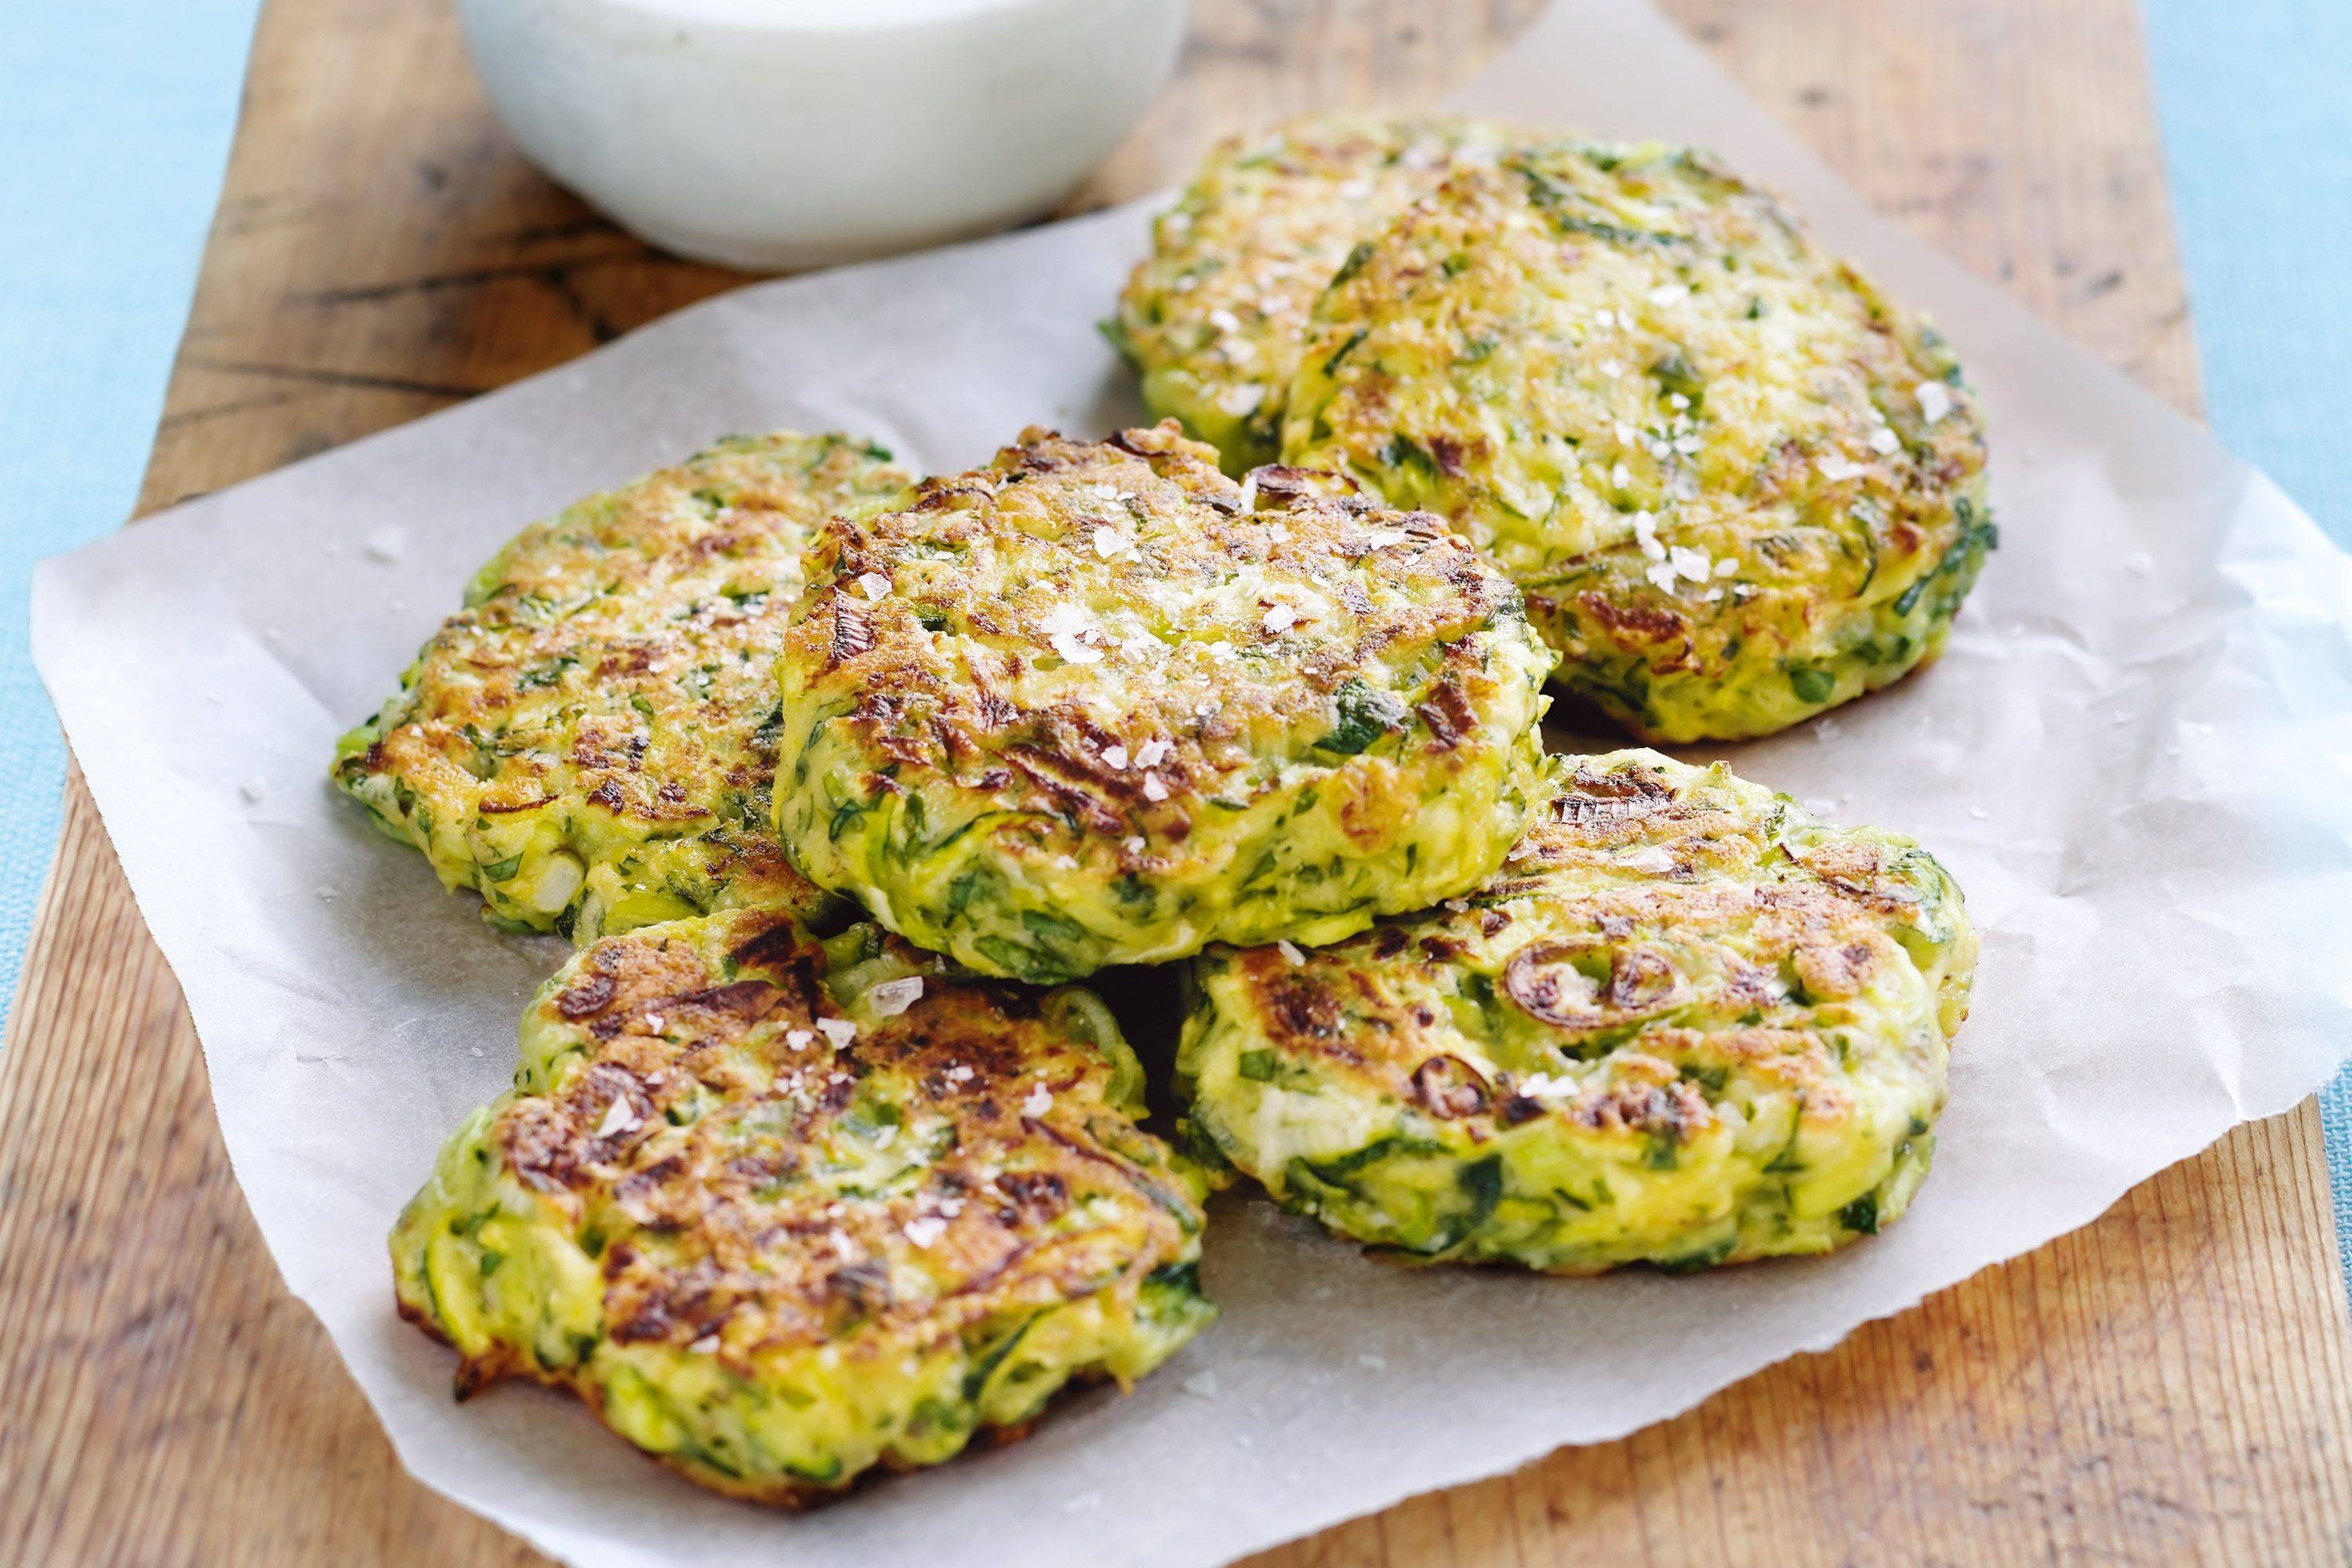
[
  {"x": 787, "y": 1199},
  {"x": 782, "y": 1207}
]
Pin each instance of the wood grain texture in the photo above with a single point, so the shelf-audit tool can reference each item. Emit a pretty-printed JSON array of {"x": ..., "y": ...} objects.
[{"x": 2170, "y": 1385}]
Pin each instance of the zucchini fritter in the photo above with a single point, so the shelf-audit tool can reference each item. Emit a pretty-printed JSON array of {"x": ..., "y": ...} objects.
[
  {"x": 1737, "y": 484},
  {"x": 782, "y": 1213},
  {"x": 589, "y": 742},
  {"x": 1215, "y": 318},
  {"x": 1685, "y": 1025},
  {"x": 1096, "y": 703}
]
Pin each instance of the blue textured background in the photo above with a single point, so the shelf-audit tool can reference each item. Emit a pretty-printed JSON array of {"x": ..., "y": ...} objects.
[
  {"x": 2256, "y": 99},
  {"x": 115, "y": 118}
]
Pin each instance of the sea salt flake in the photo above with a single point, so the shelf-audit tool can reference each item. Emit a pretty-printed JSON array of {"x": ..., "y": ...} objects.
[
  {"x": 1072, "y": 650},
  {"x": 1134, "y": 844},
  {"x": 1935, "y": 400},
  {"x": 1066, "y": 620},
  {"x": 1289, "y": 951},
  {"x": 1152, "y": 753},
  {"x": 840, "y": 1031},
  {"x": 1039, "y": 1100},
  {"x": 1280, "y": 619},
  {"x": 619, "y": 1117},
  {"x": 925, "y": 1229},
  {"x": 1153, "y": 790},
  {"x": 1654, "y": 858},
  {"x": 1726, "y": 566},
  {"x": 1661, "y": 574},
  {"x": 1835, "y": 468},
  {"x": 893, "y": 997},
  {"x": 1645, "y": 532},
  {"x": 1621, "y": 476},
  {"x": 1666, "y": 294},
  {"x": 1108, "y": 541},
  {"x": 1884, "y": 441},
  {"x": 798, "y": 1039},
  {"x": 1115, "y": 757},
  {"x": 1692, "y": 564}
]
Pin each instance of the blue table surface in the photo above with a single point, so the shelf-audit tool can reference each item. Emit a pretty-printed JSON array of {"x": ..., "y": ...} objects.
[{"x": 115, "y": 119}]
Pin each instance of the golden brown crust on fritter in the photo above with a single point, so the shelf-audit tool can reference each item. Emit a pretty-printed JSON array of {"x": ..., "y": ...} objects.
[
  {"x": 1738, "y": 483},
  {"x": 973, "y": 1055},
  {"x": 1091, "y": 665},
  {"x": 1215, "y": 317},
  {"x": 1686, "y": 1023},
  {"x": 783, "y": 1212},
  {"x": 592, "y": 734}
]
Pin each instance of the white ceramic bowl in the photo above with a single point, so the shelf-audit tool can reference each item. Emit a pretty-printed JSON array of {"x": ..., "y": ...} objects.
[{"x": 772, "y": 134}]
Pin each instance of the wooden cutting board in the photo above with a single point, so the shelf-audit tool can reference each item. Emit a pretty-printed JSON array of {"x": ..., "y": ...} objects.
[{"x": 2170, "y": 1385}]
